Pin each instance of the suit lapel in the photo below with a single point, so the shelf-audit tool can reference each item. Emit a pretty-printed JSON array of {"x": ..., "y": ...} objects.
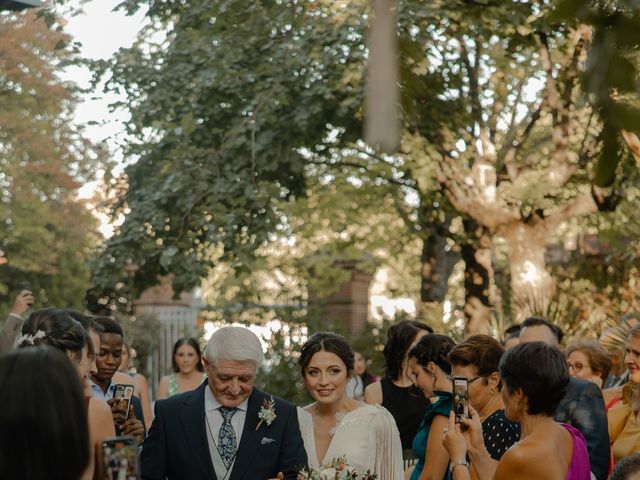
[
  {"x": 249, "y": 443},
  {"x": 194, "y": 421}
]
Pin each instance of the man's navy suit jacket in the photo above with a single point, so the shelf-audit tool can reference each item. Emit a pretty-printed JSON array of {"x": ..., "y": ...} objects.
[{"x": 177, "y": 447}]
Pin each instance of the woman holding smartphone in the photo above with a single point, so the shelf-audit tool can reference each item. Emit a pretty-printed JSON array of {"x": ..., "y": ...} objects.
[
  {"x": 431, "y": 372},
  {"x": 535, "y": 377},
  {"x": 476, "y": 360}
]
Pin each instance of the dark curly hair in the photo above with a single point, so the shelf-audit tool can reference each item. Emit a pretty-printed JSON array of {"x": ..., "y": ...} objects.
[
  {"x": 399, "y": 339},
  {"x": 59, "y": 330},
  {"x": 326, "y": 342},
  {"x": 433, "y": 348},
  {"x": 186, "y": 341},
  {"x": 540, "y": 371}
]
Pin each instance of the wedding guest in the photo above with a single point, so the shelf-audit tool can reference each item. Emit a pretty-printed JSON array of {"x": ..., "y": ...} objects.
[
  {"x": 535, "y": 377},
  {"x": 13, "y": 324},
  {"x": 140, "y": 384},
  {"x": 108, "y": 360},
  {"x": 623, "y": 423},
  {"x": 588, "y": 360},
  {"x": 396, "y": 391},
  {"x": 477, "y": 359},
  {"x": 618, "y": 375},
  {"x": 511, "y": 337},
  {"x": 61, "y": 330},
  {"x": 188, "y": 372},
  {"x": 583, "y": 405},
  {"x": 360, "y": 379},
  {"x": 43, "y": 419},
  {"x": 431, "y": 373},
  {"x": 336, "y": 425}
]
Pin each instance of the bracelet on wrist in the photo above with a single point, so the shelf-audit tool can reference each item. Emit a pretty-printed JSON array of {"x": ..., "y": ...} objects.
[{"x": 457, "y": 463}]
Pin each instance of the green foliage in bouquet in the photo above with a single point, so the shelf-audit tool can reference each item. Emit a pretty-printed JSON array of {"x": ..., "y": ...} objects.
[{"x": 337, "y": 469}]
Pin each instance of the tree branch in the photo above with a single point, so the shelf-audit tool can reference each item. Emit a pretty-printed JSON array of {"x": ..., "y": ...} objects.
[
  {"x": 634, "y": 144},
  {"x": 345, "y": 163},
  {"x": 582, "y": 205},
  {"x": 474, "y": 93},
  {"x": 468, "y": 198},
  {"x": 507, "y": 154},
  {"x": 561, "y": 167}
]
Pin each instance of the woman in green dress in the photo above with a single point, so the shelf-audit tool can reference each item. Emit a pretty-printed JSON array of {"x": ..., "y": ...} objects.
[{"x": 431, "y": 370}]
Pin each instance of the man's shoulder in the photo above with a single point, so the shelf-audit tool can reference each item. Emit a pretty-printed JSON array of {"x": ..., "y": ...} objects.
[{"x": 578, "y": 387}]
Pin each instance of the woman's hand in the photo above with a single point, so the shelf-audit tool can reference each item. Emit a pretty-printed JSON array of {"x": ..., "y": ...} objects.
[
  {"x": 453, "y": 439},
  {"x": 473, "y": 435}
]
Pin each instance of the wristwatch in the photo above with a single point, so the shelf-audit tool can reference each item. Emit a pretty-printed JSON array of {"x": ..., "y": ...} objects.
[{"x": 454, "y": 463}]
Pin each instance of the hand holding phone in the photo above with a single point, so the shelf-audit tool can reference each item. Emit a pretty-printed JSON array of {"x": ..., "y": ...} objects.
[
  {"x": 120, "y": 456},
  {"x": 461, "y": 398},
  {"x": 121, "y": 402},
  {"x": 24, "y": 300}
]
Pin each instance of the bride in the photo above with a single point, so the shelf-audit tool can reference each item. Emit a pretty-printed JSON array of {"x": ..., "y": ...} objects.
[{"x": 337, "y": 425}]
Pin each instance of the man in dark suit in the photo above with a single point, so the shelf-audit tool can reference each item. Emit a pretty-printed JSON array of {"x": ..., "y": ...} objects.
[
  {"x": 225, "y": 429},
  {"x": 582, "y": 405}
]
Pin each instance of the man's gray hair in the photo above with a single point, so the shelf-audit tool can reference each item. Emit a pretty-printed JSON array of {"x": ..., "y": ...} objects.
[{"x": 234, "y": 343}]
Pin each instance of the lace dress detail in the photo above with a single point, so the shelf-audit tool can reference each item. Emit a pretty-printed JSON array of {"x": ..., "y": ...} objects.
[{"x": 367, "y": 436}]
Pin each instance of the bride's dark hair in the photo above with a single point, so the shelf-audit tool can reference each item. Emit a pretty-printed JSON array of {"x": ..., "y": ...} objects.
[{"x": 326, "y": 342}]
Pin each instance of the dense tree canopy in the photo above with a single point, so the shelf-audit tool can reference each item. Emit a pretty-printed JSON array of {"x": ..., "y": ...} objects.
[
  {"x": 240, "y": 106},
  {"x": 45, "y": 230}
]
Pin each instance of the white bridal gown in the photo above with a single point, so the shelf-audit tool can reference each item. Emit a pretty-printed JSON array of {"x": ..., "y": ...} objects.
[{"x": 367, "y": 436}]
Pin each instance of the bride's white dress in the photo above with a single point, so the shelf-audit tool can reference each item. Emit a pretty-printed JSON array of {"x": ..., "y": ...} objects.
[{"x": 367, "y": 436}]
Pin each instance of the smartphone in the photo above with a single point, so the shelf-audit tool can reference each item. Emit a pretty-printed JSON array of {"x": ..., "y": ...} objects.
[
  {"x": 22, "y": 286},
  {"x": 123, "y": 394},
  {"x": 120, "y": 456},
  {"x": 460, "y": 398}
]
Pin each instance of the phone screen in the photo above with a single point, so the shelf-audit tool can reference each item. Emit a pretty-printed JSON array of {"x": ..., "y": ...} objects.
[
  {"x": 460, "y": 398},
  {"x": 120, "y": 456},
  {"x": 123, "y": 394}
]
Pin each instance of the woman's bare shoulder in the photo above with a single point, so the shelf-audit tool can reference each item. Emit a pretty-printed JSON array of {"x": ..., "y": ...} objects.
[
  {"x": 100, "y": 419},
  {"x": 373, "y": 393}
]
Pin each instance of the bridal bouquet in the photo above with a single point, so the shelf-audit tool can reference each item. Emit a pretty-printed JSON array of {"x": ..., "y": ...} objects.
[{"x": 337, "y": 469}]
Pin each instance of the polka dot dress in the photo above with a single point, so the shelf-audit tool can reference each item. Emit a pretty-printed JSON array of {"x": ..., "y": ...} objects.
[{"x": 499, "y": 434}]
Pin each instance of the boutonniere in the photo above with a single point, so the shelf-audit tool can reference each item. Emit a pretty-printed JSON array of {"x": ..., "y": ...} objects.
[{"x": 267, "y": 413}]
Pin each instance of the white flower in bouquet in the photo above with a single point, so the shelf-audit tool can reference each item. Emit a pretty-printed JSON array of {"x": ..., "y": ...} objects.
[{"x": 337, "y": 469}]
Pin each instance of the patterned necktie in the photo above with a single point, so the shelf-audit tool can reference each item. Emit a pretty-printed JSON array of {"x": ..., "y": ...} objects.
[{"x": 227, "y": 436}]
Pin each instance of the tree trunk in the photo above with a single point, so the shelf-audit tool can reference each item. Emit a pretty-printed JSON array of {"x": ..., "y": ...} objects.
[
  {"x": 531, "y": 284},
  {"x": 478, "y": 276},
  {"x": 437, "y": 265}
]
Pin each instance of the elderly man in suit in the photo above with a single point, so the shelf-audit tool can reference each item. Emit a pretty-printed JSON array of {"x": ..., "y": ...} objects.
[{"x": 225, "y": 429}]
